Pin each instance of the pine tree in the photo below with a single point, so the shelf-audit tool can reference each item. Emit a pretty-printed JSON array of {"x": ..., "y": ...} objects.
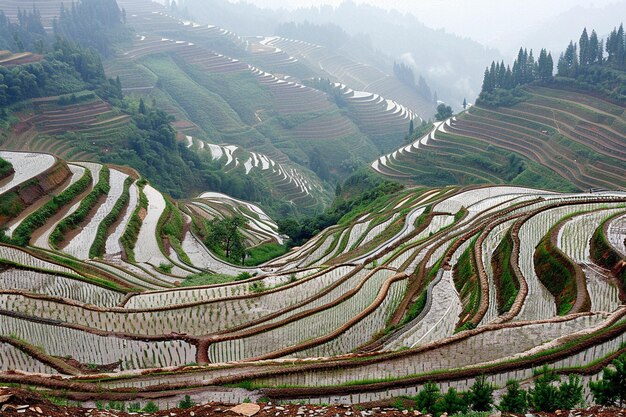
[
  {"x": 411, "y": 128},
  {"x": 142, "y": 106},
  {"x": 570, "y": 393},
  {"x": 486, "y": 82},
  {"x": 529, "y": 75},
  {"x": 594, "y": 46},
  {"x": 453, "y": 403},
  {"x": 584, "y": 48},
  {"x": 611, "y": 389},
  {"x": 481, "y": 395},
  {"x": 426, "y": 400},
  {"x": 464, "y": 104},
  {"x": 515, "y": 400}
]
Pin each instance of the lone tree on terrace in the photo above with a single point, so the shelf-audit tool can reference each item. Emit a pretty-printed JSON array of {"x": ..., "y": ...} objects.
[
  {"x": 225, "y": 236},
  {"x": 443, "y": 112}
]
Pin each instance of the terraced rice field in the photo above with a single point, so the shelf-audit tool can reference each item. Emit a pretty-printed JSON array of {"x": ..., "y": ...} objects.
[
  {"x": 293, "y": 183},
  {"x": 408, "y": 287},
  {"x": 260, "y": 228},
  {"x": 355, "y": 75},
  {"x": 561, "y": 137}
]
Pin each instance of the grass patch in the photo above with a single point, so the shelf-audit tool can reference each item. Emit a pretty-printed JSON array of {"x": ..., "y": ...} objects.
[
  {"x": 556, "y": 274},
  {"x": 202, "y": 279},
  {"x": 6, "y": 168},
  {"x": 467, "y": 283},
  {"x": 11, "y": 204},
  {"x": 507, "y": 286},
  {"x": 264, "y": 253}
]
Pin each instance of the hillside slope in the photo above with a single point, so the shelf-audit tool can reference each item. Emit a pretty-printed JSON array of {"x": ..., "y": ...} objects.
[
  {"x": 554, "y": 138},
  {"x": 391, "y": 297}
]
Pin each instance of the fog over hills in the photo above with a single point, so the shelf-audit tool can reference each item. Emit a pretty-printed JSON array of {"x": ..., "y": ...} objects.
[{"x": 496, "y": 24}]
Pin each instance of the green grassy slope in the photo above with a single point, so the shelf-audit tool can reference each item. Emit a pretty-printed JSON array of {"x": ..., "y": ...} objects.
[{"x": 553, "y": 139}]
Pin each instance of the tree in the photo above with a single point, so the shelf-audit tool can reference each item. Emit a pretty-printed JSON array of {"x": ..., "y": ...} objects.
[
  {"x": 515, "y": 400},
  {"x": 594, "y": 48},
  {"x": 443, "y": 112},
  {"x": 453, "y": 403},
  {"x": 186, "y": 403},
  {"x": 584, "y": 48},
  {"x": 464, "y": 104},
  {"x": 548, "y": 396},
  {"x": 544, "y": 396},
  {"x": 338, "y": 190},
  {"x": 142, "y": 106},
  {"x": 225, "y": 236},
  {"x": 427, "y": 399},
  {"x": 545, "y": 65},
  {"x": 570, "y": 393},
  {"x": 611, "y": 389},
  {"x": 411, "y": 128},
  {"x": 480, "y": 395}
]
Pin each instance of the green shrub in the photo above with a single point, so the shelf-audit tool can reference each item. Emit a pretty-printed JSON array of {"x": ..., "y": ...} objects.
[
  {"x": 116, "y": 405},
  {"x": 243, "y": 276},
  {"x": 453, "y": 402},
  {"x": 257, "y": 286},
  {"x": 611, "y": 389},
  {"x": 6, "y": 168},
  {"x": 515, "y": 400},
  {"x": 186, "y": 403},
  {"x": 134, "y": 408},
  {"x": 480, "y": 396},
  {"x": 427, "y": 399},
  {"x": 11, "y": 204},
  {"x": 151, "y": 407},
  {"x": 548, "y": 396}
]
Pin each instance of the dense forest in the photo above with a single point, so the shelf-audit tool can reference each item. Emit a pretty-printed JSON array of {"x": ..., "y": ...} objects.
[
  {"x": 591, "y": 64},
  {"x": 67, "y": 68}
]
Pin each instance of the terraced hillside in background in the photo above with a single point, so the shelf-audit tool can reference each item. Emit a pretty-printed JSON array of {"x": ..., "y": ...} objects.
[
  {"x": 233, "y": 93},
  {"x": 94, "y": 127},
  {"x": 255, "y": 91},
  {"x": 395, "y": 295},
  {"x": 554, "y": 139}
]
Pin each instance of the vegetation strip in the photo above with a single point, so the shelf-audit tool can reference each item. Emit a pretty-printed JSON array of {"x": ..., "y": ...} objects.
[
  {"x": 24, "y": 231},
  {"x": 86, "y": 205},
  {"x": 98, "y": 247},
  {"x": 129, "y": 238}
]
